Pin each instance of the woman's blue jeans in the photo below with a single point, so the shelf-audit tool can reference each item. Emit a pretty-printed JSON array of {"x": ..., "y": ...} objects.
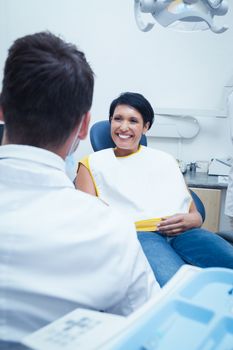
[{"x": 197, "y": 247}]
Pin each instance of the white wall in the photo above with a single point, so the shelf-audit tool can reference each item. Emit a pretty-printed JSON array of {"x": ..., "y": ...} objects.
[{"x": 172, "y": 69}]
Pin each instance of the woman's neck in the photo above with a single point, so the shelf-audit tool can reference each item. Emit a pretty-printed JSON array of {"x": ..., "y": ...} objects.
[{"x": 119, "y": 152}]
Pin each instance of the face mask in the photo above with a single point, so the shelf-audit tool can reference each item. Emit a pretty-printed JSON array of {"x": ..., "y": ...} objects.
[
  {"x": 70, "y": 161},
  {"x": 75, "y": 142},
  {"x": 71, "y": 167}
]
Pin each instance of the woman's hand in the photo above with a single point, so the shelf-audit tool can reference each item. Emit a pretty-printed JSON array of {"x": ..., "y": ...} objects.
[{"x": 179, "y": 223}]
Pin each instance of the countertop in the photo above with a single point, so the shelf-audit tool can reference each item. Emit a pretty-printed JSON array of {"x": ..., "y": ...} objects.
[{"x": 203, "y": 180}]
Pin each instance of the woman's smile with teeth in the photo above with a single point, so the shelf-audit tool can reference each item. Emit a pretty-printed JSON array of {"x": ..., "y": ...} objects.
[{"x": 124, "y": 136}]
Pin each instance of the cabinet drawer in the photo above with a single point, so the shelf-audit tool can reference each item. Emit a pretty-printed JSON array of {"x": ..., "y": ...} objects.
[{"x": 211, "y": 199}]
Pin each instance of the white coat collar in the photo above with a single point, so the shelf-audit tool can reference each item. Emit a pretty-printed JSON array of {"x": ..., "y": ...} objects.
[{"x": 32, "y": 165}]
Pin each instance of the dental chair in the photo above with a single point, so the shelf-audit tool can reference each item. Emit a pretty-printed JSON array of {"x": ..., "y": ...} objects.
[
  {"x": 227, "y": 235},
  {"x": 1, "y": 132},
  {"x": 100, "y": 136}
]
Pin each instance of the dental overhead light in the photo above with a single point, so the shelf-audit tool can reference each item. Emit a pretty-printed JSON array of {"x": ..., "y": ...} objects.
[{"x": 188, "y": 15}]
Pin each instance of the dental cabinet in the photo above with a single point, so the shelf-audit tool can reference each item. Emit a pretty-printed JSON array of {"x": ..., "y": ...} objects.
[{"x": 213, "y": 194}]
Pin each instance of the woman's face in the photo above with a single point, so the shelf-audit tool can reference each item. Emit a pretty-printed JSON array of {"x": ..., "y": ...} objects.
[{"x": 127, "y": 127}]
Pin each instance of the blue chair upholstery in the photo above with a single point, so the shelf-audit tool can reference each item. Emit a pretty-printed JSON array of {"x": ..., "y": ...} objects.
[
  {"x": 8, "y": 345},
  {"x": 227, "y": 235},
  {"x": 199, "y": 205},
  {"x": 100, "y": 137},
  {"x": 1, "y": 132}
]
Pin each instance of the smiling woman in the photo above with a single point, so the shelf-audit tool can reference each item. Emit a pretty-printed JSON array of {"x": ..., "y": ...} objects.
[
  {"x": 127, "y": 127},
  {"x": 130, "y": 115},
  {"x": 147, "y": 186}
]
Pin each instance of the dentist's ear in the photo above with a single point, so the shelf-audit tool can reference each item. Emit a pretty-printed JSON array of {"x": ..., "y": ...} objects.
[
  {"x": 85, "y": 126},
  {"x": 1, "y": 115}
]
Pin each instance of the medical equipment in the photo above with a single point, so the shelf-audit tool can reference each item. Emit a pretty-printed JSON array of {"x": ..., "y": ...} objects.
[
  {"x": 174, "y": 126},
  {"x": 181, "y": 14},
  {"x": 197, "y": 316},
  {"x": 220, "y": 166},
  {"x": 193, "y": 311}
]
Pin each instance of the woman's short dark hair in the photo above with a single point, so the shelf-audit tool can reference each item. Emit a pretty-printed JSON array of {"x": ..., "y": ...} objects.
[
  {"x": 47, "y": 88},
  {"x": 137, "y": 101}
]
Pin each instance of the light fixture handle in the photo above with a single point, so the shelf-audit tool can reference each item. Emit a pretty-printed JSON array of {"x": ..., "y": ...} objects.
[{"x": 138, "y": 17}]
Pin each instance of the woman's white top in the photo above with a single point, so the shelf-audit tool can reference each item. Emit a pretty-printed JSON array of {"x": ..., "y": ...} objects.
[{"x": 147, "y": 185}]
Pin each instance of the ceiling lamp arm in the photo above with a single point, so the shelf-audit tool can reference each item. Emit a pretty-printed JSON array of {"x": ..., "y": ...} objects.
[
  {"x": 215, "y": 4},
  {"x": 138, "y": 17},
  {"x": 216, "y": 29},
  {"x": 219, "y": 7},
  {"x": 164, "y": 11}
]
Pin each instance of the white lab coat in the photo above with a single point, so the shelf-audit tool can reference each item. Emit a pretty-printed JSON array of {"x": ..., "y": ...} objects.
[{"x": 61, "y": 248}]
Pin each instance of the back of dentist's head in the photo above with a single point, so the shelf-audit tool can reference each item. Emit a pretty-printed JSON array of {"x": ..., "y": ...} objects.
[{"x": 47, "y": 88}]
